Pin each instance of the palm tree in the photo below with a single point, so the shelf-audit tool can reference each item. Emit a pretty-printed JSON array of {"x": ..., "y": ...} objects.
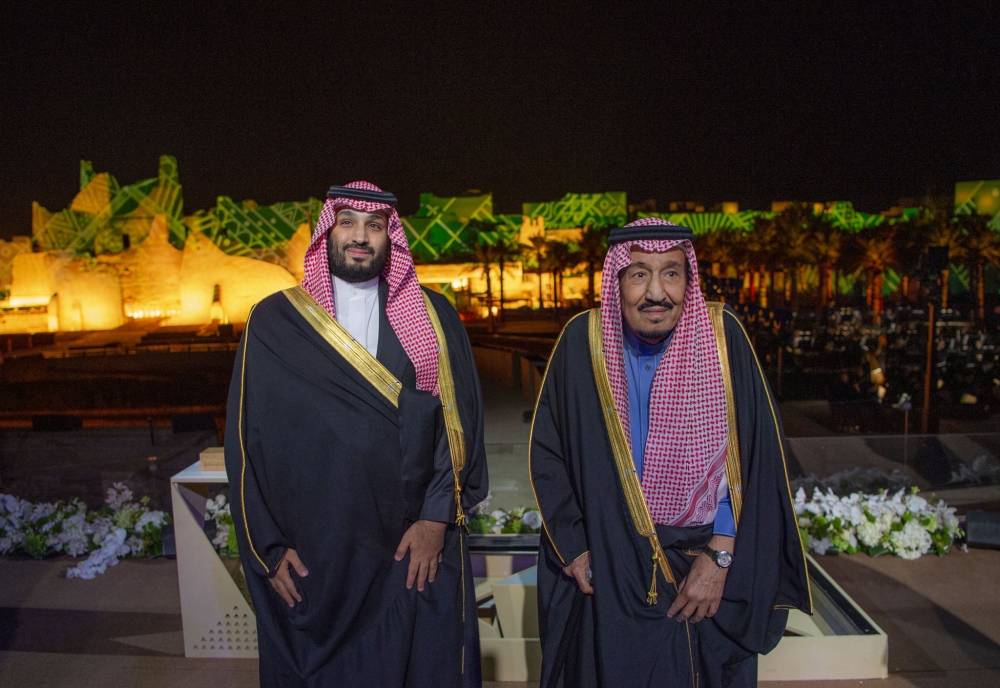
[
  {"x": 947, "y": 233},
  {"x": 827, "y": 245},
  {"x": 715, "y": 248},
  {"x": 555, "y": 252},
  {"x": 910, "y": 238},
  {"x": 794, "y": 237},
  {"x": 765, "y": 249},
  {"x": 507, "y": 250},
  {"x": 486, "y": 241},
  {"x": 559, "y": 257},
  {"x": 983, "y": 245},
  {"x": 871, "y": 251},
  {"x": 713, "y": 255},
  {"x": 721, "y": 249},
  {"x": 593, "y": 248},
  {"x": 536, "y": 248}
]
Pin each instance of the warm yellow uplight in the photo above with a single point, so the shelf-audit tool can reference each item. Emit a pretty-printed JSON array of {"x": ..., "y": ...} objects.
[
  {"x": 237, "y": 282},
  {"x": 29, "y": 301}
]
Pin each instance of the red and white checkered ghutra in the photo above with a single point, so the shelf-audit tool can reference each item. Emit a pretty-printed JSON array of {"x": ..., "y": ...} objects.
[
  {"x": 685, "y": 458},
  {"x": 405, "y": 306}
]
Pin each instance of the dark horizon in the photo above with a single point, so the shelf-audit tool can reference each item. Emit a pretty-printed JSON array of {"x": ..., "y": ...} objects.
[{"x": 868, "y": 106}]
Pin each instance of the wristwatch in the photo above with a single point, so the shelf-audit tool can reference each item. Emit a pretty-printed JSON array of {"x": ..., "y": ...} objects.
[{"x": 721, "y": 557}]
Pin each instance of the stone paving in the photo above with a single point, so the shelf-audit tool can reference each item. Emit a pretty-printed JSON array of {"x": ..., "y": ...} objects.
[{"x": 942, "y": 616}]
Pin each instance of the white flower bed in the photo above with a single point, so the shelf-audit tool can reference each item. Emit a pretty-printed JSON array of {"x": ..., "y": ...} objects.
[
  {"x": 121, "y": 528},
  {"x": 901, "y": 523}
]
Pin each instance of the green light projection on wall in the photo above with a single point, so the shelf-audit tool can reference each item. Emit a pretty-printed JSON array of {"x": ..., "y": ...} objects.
[
  {"x": 576, "y": 210},
  {"x": 441, "y": 230},
  {"x": 841, "y": 214},
  {"x": 246, "y": 229},
  {"x": 104, "y": 211},
  {"x": 979, "y": 198}
]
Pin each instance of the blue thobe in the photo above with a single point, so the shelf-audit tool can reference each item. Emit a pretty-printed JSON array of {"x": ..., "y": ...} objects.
[{"x": 641, "y": 360}]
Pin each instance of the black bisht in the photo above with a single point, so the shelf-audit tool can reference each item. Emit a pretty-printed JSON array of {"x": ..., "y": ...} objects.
[
  {"x": 319, "y": 461},
  {"x": 614, "y": 637}
]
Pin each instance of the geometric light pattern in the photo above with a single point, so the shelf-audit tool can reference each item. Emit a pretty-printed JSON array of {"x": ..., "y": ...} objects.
[
  {"x": 246, "y": 229},
  {"x": 703, "y": 223},
  {"x": 980, "y": 197},
  {"x": 576, "y": 210},
  {"x": 103, "y": 212},
  {"x": 841, "y": 214},
  {"x": 440, "y": 229}
]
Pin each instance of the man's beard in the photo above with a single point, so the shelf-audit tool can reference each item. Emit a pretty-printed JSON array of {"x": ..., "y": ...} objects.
[
  {"x": 657, "y": 334},
  {"x": 346, "y": 269}
]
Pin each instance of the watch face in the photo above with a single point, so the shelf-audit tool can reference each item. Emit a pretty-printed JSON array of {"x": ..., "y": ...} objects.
[{"x": 724, "y": 559}]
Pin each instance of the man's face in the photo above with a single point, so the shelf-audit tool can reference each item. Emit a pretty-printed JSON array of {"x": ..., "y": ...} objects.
[
  {"x": 358, "y": 245},
  {"x": 652, "y": 291}
]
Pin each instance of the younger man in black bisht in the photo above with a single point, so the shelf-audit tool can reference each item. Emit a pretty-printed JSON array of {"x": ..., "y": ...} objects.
[
  {"x": 670, "y": 552},
  {"x": 354, "y": 447}
]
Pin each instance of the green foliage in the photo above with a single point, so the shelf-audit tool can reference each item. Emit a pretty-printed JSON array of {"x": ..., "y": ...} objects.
[
  {"x": 35, "y": 544},
  {"x": 517, "y": 521},
  {"x": 902, "y": 523}
]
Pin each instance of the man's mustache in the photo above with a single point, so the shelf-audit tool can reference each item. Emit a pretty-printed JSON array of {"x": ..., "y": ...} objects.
[
  {"x": 647, "y": 304},
  {"x": 364, "y": 246}
]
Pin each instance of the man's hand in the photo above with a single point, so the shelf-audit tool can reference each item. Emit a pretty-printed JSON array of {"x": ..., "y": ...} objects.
[
  {"x": 579, "y": 570},
  {"x": 282, "y": 580},
  {"x": 700, "y": 593},
  {"x": 424, "y": 540}
]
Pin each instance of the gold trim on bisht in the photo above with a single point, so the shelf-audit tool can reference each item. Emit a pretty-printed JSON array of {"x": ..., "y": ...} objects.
[
  {"x": 456, "y": 443},
  {"x": 734, "y": 472},
  {"x": 384, "y": 381},
  {"x": 344, "y": 344},
  {"x": 631, "y": 486},
  {"x": 452, "y": 421},
  {"x": 390, "y": 387},
  {"x": 243, "y": 448},
  {"x": 531, "y": 440}
]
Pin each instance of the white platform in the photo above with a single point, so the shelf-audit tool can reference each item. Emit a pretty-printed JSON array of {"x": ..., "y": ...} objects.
[{"x": 217, "y": 620}]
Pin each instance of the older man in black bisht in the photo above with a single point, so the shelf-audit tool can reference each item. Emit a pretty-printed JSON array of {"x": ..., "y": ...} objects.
[
  {"x": 670, "y": 551},
  {"x": 354, "y": 447}
]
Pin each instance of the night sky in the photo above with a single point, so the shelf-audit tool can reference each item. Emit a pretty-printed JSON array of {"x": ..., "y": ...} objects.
[{"x": 818, "y": 103}]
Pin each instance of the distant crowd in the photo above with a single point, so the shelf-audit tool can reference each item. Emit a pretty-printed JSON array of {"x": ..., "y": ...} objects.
[{"x": 872, "y": 373}]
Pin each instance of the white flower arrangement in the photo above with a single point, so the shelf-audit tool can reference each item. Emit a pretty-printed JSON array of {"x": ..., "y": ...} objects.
[
  {"x": 122, "y": 527},
  {"x": 481, "y": 521},
  {"x": 520, "y": 520},
  {"x": 217, "y": 512},
  {"x": 901, "y": 523}
]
